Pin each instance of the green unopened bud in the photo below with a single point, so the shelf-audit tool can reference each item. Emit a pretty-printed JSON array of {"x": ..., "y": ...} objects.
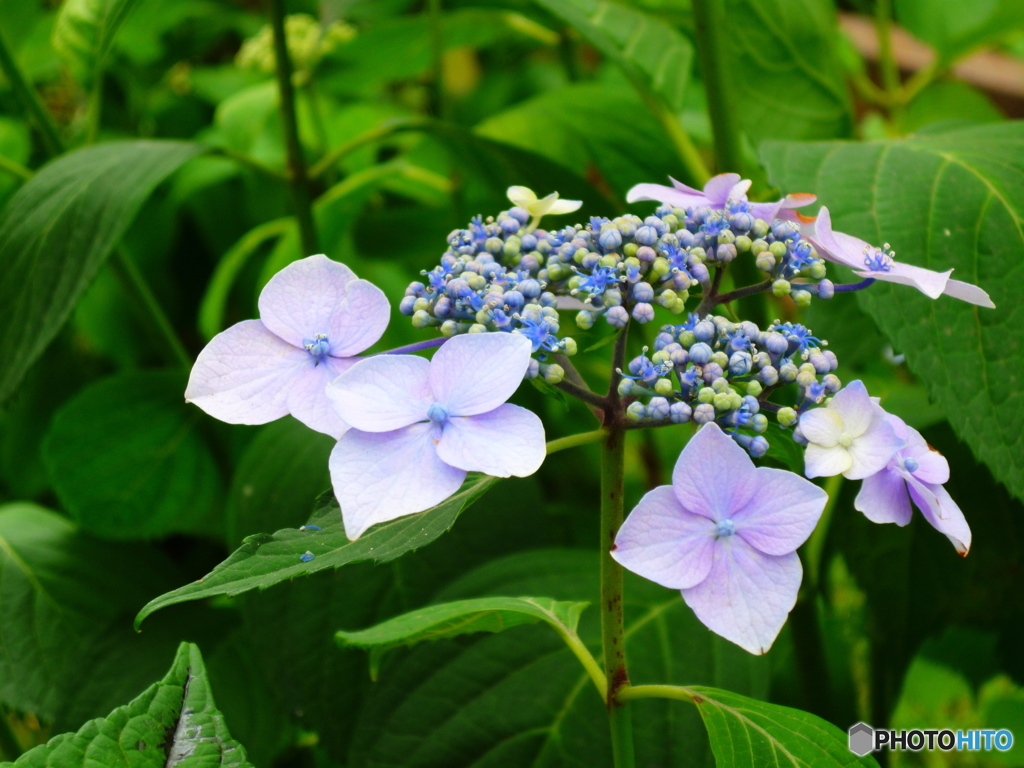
[
  {"x": 666, "y": 298},
  {"x": 625, "y": 387},
  {"x": 765, "y": 261},
  {"x": 817, "y": 270},
  {"x": 802, "y": 298},
  {"x": 609, "y": 260},
  {"x": 660, "y": 357},
  {"x": 636, "y": 411},
  {"x": 580, "y": 255},
  {"x": 630, "y": 249},
  {"x": 585, "y": 319},
  {"x": 754, "y": 388},
  {"x": 760, "y": 228},
  {"x": 759, "y": 245},
  {"x": 677, "y": 306},
  {"x": 742, "y": 244},
  {"x": 699, "y": 254},
  {"x": 706, "y": 395},
  {"x": 778, "y": 249},
  {"x": 569, "y": 346},
  {"x": 476, "y": 282},
  {"x": 553, "y": 374},
  {"x": 633, "y": 261},
  {"x": 421, "y": 319},
  {"x": 671, "y": 221},
  {"x": 727, "y": 237},
  {"x": 660, "y": 267},
  {"x": 421, "y": 304},
  {"x": 663, "y": 387},
  {"x": 807, "y": 368},
  {"x": 483, "y": 317},
  {"x": 721, "y": 358},
  {"x": 787, "y": 417},
  {"x": 477, "y": 328},
  {"x": 721, "y": 385},
  {"x": 780, "y": 288},
  {"x": 512, "y": 246},
  {"x": 449, "y": 328},
  {"x": 759, "y": 423},
  {"x": 805, "y": 379},
  {"x": 687, "y": 339},
  {"x": 557, "y": 272},
  {"x": 722, "y": 402}
]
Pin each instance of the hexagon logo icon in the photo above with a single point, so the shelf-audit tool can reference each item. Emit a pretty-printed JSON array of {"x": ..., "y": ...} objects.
[{"x": 862, "y": 739}]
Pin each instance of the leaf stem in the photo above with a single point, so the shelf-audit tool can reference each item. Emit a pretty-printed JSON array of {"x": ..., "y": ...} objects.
[
  {"x": 594, "y": 400},
  {"x": 887, "y": 63},
  {"x": 142, "y": 296},
  {"x": 15, "y": 169},
  {"x": 685, "y": 147},
  {"x": 586, "y": 658},
  {"x": 251, "y": 163},
  {"x": 299, "y": 181},
  {"x": 29, "y": 99},
  {"x": 383, "y": 130},
  {"x": 656, "y": 692},
  {"x": 709, "y": 18},
  {"x": 572, "y": 441}
]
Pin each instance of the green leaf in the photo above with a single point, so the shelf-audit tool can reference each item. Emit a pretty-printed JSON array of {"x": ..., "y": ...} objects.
[
  {"x": 175, "y": 722},
  {"x": 56, "y": 232},
  {"x": 654, "y": 56},
  {"x": 783, "y": 449},
  {"x": 85, "y": 30},
  {"x": 949, "y": 101},
  {"x": 267, "y": 559},
  {"x": 954, "y": 28},
  {"x": 277, "y": 480},
  {"x": 573, "y": 126},
  {"x": 953, "y": 200},
  {"x": 489, "y": 614},
  {"x": 785, "y": 69},
  {"x": 521, "y": 697},
  {"x": 746, "y": 732},
  {"x": 127, "y": 459}
]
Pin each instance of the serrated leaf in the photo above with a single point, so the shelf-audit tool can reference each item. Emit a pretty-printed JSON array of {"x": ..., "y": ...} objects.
[
  {"x": 654, "y": 56},
  {"x": 175, "y": 722},
  {"x": 463, "y": 617},
  {"x": 126, "y": 457},
  {"x": 745, "y": 733},
  {"x": 953, "y": 200},
  {"x": 58, "y": 229},
  {"x": 783, "y": 449},
  {"x": 84, "y": 31},
  {"x": 784, "y": 69},
  {"x": 267, "y": 559}
]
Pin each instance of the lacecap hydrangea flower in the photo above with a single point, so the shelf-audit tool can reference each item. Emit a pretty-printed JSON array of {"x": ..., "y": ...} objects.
[
  {"x": 851, "y": 436},
  {"x": 725, "y": 533},
  {"x": 419, "y": 426},
  {"x": 875, "y": 263},
  {"x": 915, "y": 472},
  {"x": 315, "y": 316}
]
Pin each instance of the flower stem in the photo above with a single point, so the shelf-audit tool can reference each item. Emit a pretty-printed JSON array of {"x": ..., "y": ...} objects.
[
  {"x": 30, "y": 102},
  {"x": 656, "y": 692},
  {"x": 572, "y": 441},
  {"x": 299, "y": 180},
  {"x": 709, "y": 17}
]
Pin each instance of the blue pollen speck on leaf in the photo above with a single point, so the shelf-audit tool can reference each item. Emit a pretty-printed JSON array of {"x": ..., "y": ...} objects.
[{"x": 307, "y": 556}]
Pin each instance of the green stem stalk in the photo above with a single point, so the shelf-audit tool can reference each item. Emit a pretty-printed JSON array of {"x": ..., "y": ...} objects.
[
  {"x": 15, "y": 169},
  {"x": 685, "y": 147},
  {"x": 572, "y": 441},
  {"x": 29, "y": 99},
  {"x": 438, "y": 97},
  {"x": 890, "y": 71},
  {"x": 709, "y": 18},
  {"x": 299, "y": 180},
  {"x": 656, "y": 692},
  {"x": 145, "y": 301}
]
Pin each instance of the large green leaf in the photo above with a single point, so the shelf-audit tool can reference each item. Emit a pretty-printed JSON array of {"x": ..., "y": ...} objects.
[
  {"x": 952, "y": 200},
  {"x": 462, "y": 617},
  {"x": 175, "y": 722},
  {"x": 58, "y": 229},
  {"x": 574, "y": 126},
  {"x": 266, "y": 559},
  {"x": 745, "y": 733},
  {"x": 277, "y": 480},
  {"x": 85, "y": 30},
  {"x": 784, "y": 69},
  {"x": 521, "y": 698},
  {"x": 654, "y": 55},
  {"x": 126, "y": 458},
  {"x": 953, "y": 28}
]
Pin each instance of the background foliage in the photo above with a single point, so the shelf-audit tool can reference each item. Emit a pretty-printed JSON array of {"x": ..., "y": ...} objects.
[{"x": 154, "y": 173}]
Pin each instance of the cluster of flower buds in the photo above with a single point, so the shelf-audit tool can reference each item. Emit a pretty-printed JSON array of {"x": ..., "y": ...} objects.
[
  {"x": 713, "y": 370},
  {"x": 786, "y": 256}
]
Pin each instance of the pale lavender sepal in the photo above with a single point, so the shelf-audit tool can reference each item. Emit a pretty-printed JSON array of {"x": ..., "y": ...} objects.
[
  {"x": 302, "y": 299},
  {"x": 854, "y": 406},
  {"x": 932, "y": 284},
  {"x": 380, "y": 477},
  {"x": 822, "y": 426},
  {"x": 307, "y": 397},
  {"x": 748, "y": 595},
  {"x": 820, "y": 461},
  {"x": 243, "y": 375},
  {"x": 383, "y": 393},
  {"x": 872, "y": 451},
  {"x": 667, "y": 195},
  {"x": 664, "y": 543},
  {"x": 476, "y": 372},
  {"x": 505, "y": 442},
  {"x": 932, "y": 467},
  {"x": 942, "y": 513},
  {"x": 883, "y": 498},
  {"x": 718, "y": 189},
  {"x": 359, "y": 323},
  {"x": 713, "y": 475},
  {"x": 972, "y": 294},
  {"x": 782, "y": 514}
]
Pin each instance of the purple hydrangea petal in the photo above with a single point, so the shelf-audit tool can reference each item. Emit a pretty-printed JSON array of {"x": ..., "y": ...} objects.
[
  {"x": 782, "y": 514},
  {"x": 713, "y": 475},
  {"x": 836, "y": 246},
  {"x": 932, "y": 467},
  {"x": 972, "y": 294},
  {"x": 663, "y": 542},
  {"x": 678, "y": 198},
  {"x": 379, "y": 394},
  {"x": 359, "y": 322},
  {"x": 823, "y": 426},
  {"x": 932, "y": 284},
  {"x": 942, "y": 513},
  {"x": 244, "y": 374},
  {"x": 301, "y": 300},
  {"x": 826, "y": 462},
  {"x": 719, "y": 188},
  {"x": 871, "y": 452},
  {"x": 308, "y": 401},
  {"x": 379, "y": 477},
  {"x": 781, "y": 208},
  {"x": 506, "y": 441},
  {"x": 748, "y": 595},
  {"x": 476, "y": 372},
  {"x": 855, "y": 407},
  {"x": 883, "y": 498}
]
